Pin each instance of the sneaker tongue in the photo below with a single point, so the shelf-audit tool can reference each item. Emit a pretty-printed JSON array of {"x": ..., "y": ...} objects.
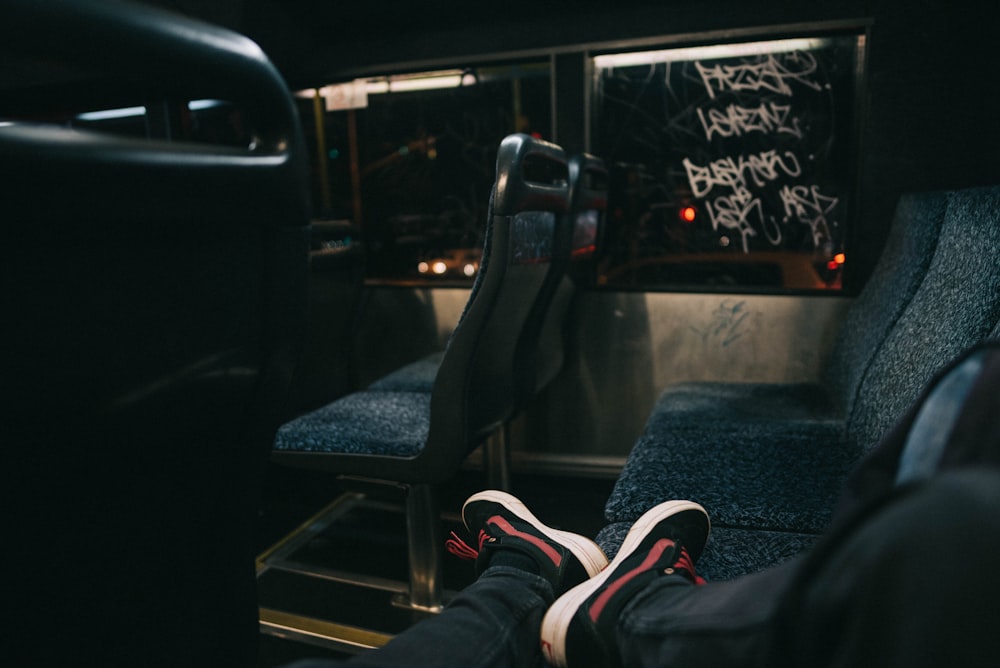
[{"x": 690, "y": 528}]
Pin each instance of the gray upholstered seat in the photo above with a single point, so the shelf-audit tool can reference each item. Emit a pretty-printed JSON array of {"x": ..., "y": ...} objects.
[
  {"x": 417, "y": 438},
  {"x": 388, "y": 423},
  {"x": 773, "y": 458},
  {"x": 414, "y": 377},
  {"x": 957, "y": 305},
  {"x": 909, "y": 249}
]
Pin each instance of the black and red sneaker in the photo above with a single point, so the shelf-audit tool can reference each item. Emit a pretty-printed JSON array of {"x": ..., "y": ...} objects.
[
  {"x": 502, "y": 522},
  {"x": 579, "y": 629}
]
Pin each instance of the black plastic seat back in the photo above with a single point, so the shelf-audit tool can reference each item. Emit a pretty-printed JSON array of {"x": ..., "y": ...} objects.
[
  {"x": 577, "y": 242},
  {"x": 154, "y": 292},
  {"x": 477, "y": 372}
]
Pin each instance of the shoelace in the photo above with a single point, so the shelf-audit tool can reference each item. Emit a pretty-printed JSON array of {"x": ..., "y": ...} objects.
[
  {"x": 463, "y": 550},
  {"x": 684, "y": 563}
]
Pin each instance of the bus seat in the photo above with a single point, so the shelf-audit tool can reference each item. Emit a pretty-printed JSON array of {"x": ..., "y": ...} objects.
[
  {"x": 413, "y": 377},
  {"x": 789, "y": 416},
  {"x": 419, "y": 439},
  {"x": 907, "y": 453},
  {"x": 773, "y": 458},
  {"x": 901, "y": 268},
  {"x": 540, "y": 355},
  {"x": 957, "y": 306},
  {"x": 155, "y": 294}
]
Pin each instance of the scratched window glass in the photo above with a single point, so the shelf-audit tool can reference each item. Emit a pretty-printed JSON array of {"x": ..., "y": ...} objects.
[
  {"x": 731, "y": 164},
  {"x": 411, "y": 161}
]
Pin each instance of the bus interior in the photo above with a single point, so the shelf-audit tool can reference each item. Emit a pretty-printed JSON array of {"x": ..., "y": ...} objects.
[{"x": 287, "y": 281}]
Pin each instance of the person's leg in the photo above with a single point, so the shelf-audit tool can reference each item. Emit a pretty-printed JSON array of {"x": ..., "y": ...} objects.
[
  {"x": 916, "y": 585},
  {"x": 913, "y": 582},
  {"x": 523, "y": 565},
  {"x": 493, "y": 622},
  {"x": 726, "y": 623}
]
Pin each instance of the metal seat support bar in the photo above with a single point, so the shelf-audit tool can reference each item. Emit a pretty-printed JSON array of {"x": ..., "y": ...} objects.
[
  {"x": 497, "y": 454},
  {"x": 425, "y": 541}
]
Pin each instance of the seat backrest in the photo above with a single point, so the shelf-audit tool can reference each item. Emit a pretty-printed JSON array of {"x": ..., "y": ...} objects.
[
  {"x": 953, "y": 423},
  {"x": 901, "y": 268},
  {"x": 155, "y": 295},
  {"x": 541, "y": 356},
  {"x": 476, "y": 389},
  {"x": 957, "y": 306}
]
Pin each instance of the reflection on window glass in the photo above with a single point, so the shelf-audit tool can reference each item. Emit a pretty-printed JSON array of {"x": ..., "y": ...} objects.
[
  {"x": 585, "y": 233},
  {"x": 205, "y": 121},
  {"x": 531, "y": 237},
  {"x": 125, "y": 121},
  {"x": 216, "y": 122},
  {"x": 730, "y": 164},
  {"x": 410, "y": 161}
]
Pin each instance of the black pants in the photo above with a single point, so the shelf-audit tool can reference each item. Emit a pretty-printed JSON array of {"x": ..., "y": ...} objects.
[
  {"x": 913, "y": 582},
  {"x": 907, "y": 576}
]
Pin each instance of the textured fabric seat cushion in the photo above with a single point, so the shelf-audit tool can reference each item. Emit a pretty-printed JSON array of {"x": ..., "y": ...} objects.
[
  {"x": 414, "y": 377},
  {"x": 377, "y": 423},
  {"x": 763, "y": 474},
  {"x": 772, "y": 459},
  {"x": 898, "y": 276},
  {"x": 957, "y": 306},
  {"x": 730, "y": 552},
  {"x": 751, "y": 450},
  {"x": 699, "y": 404}
]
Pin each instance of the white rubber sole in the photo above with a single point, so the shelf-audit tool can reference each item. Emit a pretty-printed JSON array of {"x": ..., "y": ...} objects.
[
  {"x": 555, "y": 624},
  {"x": 585, "y": 550}
]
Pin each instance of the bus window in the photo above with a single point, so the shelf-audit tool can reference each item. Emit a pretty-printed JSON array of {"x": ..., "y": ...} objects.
[
  {"x": 731, "y": 164},
  {"x": 407, "y": 161}
]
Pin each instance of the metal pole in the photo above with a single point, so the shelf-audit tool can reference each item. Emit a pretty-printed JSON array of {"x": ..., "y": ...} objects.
[{"x": 321, "y": 157}]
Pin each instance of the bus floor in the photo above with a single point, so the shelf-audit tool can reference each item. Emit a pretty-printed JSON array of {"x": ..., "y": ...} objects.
[{"x": 312, "y": 530}]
